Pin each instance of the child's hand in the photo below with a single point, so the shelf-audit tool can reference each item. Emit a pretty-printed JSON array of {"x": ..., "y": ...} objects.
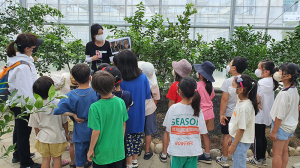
[
  {"x": 273, "y": 136},
  {"x": 78, "y": 120},
  {"x": 67, "y": 137},
  {"x": 231, "y": 149},
  {"x": 259, "y": 106},
  {"x": 229, "y": 141},
  {"x": 299, "y": 107},
  {"x": 222, "y": 119},
  {"x": 90, "y": 154}
]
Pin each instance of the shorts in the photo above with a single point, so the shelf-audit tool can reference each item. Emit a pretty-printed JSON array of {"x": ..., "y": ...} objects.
[
  {"x": 117, "y": 164},
  {"x": 210, "y": 124},
  {"x": 133, "y": 144},
  {"x": 150, "y": 124},
  {"x": 71, "y": 137},
  {"x": 224, "y": 129},
  {"x": 239, "y": 157},
  {"x": 48, "y": 150},
  {"x": 183, "y": 162},
  {"x": 281, "y": 134},
  {"x": 81, "y": 150}
]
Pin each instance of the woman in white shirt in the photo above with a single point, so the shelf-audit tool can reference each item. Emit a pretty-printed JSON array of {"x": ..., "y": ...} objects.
[
  {"x": 284, "y": 113},
  {"x": 22, "y": 78},
  {"x": 265, "y": 98}
]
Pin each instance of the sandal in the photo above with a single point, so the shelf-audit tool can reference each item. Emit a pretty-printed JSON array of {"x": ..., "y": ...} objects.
[
  {"x": 72, "y": 166},
  {"x": 64, "y": 162}
]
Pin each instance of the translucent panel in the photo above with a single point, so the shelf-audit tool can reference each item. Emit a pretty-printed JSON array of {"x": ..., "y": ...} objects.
[
  {"x": 113, "y": 14},
  {"x": 51, "y": 3},
  {"x": 212, "y": 34},
  {"x": 279, "y": 35},
  {"x": 151, "y": 7},
  {"x": 74, "y": 11},
  {"x": 80, "y": 32},
  {"x": 252, "y": 15}
]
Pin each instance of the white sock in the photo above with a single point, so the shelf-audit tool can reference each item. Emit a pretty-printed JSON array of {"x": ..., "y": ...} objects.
[
  {"x": 129, "y": 166},
  {"x": 224, "y": 158},
  {"x": 207, "y": 154},
  {"x": 134, "y": 161},
  {"x": 163, "y": 155}
]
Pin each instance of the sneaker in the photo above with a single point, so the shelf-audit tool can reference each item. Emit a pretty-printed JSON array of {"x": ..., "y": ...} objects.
[
  {"x": 88, "y": 164},
  {"x": 204, "y": 159},
  {"x": 134, "y": 164},
  {"x": 252, "y": 161},
  {"x": 224, "y": 164},
  {"x": 34, "y": 165},
  {"x": 149, "y": 155},
  {"x": 264, "y": 162},
  {"x": 16, "y": 160},
  {"x": 162, "y": 159}
]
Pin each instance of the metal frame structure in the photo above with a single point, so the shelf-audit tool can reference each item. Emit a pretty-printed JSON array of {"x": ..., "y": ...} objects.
[{"x": 230, "y": 27}]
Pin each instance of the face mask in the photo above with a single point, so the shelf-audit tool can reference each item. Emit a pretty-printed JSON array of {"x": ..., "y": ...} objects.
[
  {"x": 258, "y": 73},
  {"x": 99, "y": 37},
  {"x": 227, "y": 68},
  {"x": 277, "y": 76},
  {"x": 232, "y": 91},
  {"x": 198, "y": 76},
  {"x": 173, "y": 73}
]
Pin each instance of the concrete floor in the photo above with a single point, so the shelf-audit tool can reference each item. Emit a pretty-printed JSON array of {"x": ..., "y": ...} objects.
[{"x": 154, "y": 162}]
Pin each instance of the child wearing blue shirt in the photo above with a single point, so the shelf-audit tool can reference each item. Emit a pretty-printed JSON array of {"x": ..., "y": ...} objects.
[{"x": 77, "y": 107}]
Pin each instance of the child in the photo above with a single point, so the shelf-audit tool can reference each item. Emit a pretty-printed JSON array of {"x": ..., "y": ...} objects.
[
  {"x": 107, "y": 118},
  {"x": 102, "y": 65},
  {"x": 265, "y": 98},
  {"x": 77, "y": 107},
  {"x": 206, "y": 91},
  {"x": 181, "y": 69},
  {"x": 150, "y": 120},
  {"x": 284, "y": 113},
  {"x": 137, "y": 84},
  {"x": 184, "y": 123},
  {"x": 242, "y": 123},
  {"x": 51, "y": 131},
  {"x": 236, "y": 67}
]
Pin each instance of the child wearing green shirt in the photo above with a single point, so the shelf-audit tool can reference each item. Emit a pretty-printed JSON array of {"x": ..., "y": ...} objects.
[{"x": 107, "y": 118}]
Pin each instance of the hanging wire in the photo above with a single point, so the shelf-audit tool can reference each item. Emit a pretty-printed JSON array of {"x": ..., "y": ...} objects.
[{"x": 284, "y": 12}]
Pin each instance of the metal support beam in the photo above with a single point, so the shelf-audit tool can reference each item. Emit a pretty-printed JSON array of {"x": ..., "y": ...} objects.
[
  {"x": 160, "y": 7},
  {"x": 23, "y": 3},
  {"x": 59, "y": 8},
  {"x": 91, "y": 17},
  {"x": 232, "y": 16},
  {"x": 268, "y": 15},
  {"x": 126, "y": 13},
  {"x": 195, "y": 19}
]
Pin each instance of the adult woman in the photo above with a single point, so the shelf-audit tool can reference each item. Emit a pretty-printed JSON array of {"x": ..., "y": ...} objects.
[
  {"x": 22, "y": 78},
  {"x": 98, "y": 50}
]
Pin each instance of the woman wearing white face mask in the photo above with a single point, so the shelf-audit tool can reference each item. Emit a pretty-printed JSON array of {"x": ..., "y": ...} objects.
[
  {"x": 265, "y": 99},
  {"x": 98, "y": 50}
]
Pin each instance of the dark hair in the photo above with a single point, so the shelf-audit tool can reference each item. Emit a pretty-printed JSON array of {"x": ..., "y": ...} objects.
[
  {"x": 188, "y": 87},
  {"x": 177, "y": 77},
  {"x": 102, "y": 65},
  {"x": 103, "y": 82},
  {"x": 94, "y": 30},
  {"x": 240, "y": 64},
  {"x": 250, "y": 90},
  {"x": 270, "y": 66},
  {"x": 42, "y": 85},
  {"x": 128, "y": 65},
  {"x": 208, "y": 86},
  {"x": 81, "y": 73},
  {"x": 291, "y": 69},
  {"x": 23, "y": 40},
  {"x": 115, "y": 60}
]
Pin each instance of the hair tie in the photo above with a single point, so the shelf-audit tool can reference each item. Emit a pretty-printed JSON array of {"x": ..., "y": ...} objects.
[{"x": 195, "y": 90}]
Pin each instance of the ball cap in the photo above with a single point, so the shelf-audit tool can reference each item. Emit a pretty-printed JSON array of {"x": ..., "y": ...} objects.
[{"x": 115, "y": 72}]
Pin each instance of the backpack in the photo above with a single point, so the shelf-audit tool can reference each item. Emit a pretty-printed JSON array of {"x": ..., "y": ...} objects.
[{"x": 4, "y": 93}]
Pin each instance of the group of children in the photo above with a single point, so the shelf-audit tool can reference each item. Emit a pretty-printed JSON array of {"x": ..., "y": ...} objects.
[{"x": 112, "y": 110}]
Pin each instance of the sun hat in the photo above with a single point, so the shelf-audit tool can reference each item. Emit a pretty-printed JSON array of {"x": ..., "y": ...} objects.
[
  {"x": 61, "y": 82},
  {"x": 206, "y": 69},
  {"x": 149, "y": 71},
  {"x": 115, "y": 72},
  {"x": 182, "y": 67}
]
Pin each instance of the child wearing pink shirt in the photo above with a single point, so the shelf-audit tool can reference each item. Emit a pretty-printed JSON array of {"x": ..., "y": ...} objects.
[{"x": 206, "y": 91}]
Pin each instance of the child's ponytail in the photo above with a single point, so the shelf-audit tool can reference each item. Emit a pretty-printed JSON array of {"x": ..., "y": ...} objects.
[
  {"x": 196, "y": 103},
  {"x": 252, "y": 95},
  {"x": 11, "y": 49},
  {"x": 270, "y": 66},
  {"x": 188, "y": 87},
  {"x": 208, "y": 86}
]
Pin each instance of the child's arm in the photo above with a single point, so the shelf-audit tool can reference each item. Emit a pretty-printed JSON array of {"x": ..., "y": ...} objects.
[
  {"x": 171, "y": 102},
  {"x": 273, "y": 135},
  {"x": 237, "y": 138},
  {"x": 223, "y": 106},
  {"x": 65, "y": 125},
  {"x": 124, "y": 128},
  {"x": 36, "y": 131},
  {"x": 94, "y": 139},
  {"x": 258, "y": 101},
  {"x": 78, "y": 120}
]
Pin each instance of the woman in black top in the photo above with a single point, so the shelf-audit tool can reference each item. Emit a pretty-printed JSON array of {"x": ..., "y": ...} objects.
[{"x": 98, "y": 50}]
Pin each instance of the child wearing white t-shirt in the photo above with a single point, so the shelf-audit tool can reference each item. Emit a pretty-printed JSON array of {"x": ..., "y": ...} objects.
[
  {"x": 242, "y": 123},
  {"x": 284, "y": 113},
  {"x": 184, "y": 123},
  {"x": 265, "y": 98}
]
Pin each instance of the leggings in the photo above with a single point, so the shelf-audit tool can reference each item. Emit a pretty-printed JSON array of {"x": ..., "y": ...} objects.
[{"x": 260, "y": 143}]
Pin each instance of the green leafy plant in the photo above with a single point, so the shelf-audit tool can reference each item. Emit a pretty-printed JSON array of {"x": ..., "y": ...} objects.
[
  {"x": 55, "y": 50},
  {"x": 32, "y": 106}
]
